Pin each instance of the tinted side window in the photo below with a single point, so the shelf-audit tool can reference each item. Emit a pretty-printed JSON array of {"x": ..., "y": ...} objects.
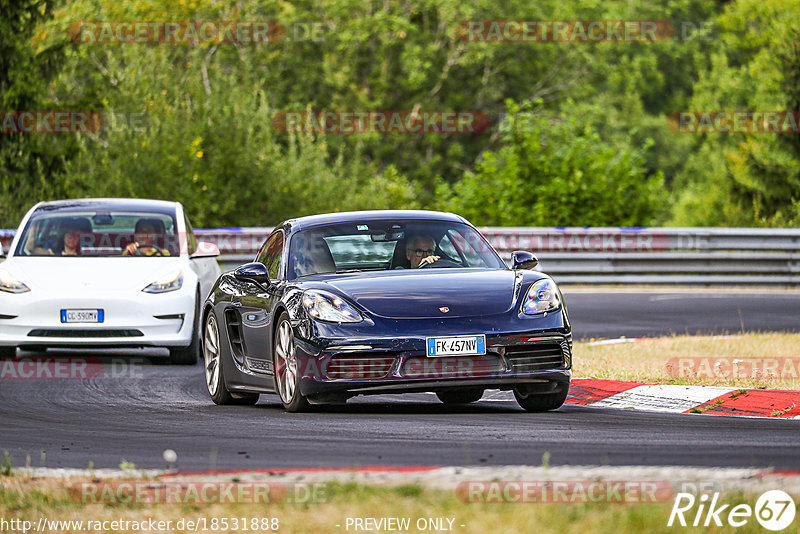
[
  {"x": 270, "y": 254},
  {"x": 191, "y": 242},
  {"x": 261, "y": 257}
]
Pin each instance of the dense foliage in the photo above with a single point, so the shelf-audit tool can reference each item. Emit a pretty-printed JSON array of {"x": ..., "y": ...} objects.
[{"x": 579, "y": 132}]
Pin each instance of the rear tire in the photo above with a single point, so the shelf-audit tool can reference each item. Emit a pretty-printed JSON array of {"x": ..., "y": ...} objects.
[
  {"x": 542, "y": 402},
  {"x": 464, "y": 396},
  {"x": 214, "y": 370},
  {"x": 8, "y": 352},
  {"x": 284, "y": 365}
]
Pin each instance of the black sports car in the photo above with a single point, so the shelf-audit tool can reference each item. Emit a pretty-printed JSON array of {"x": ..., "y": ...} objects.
[{"x": 373, "y": 302}]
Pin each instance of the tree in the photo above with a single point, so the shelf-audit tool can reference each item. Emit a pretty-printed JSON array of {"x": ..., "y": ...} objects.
[
  {"x": 553, "y": 171},
  {"x": 747, "y": 178},
  {"x": 29, "y": 164}
]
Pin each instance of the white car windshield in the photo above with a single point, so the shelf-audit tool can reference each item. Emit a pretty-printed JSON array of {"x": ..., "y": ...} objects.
[{"x": 100, "y": 233}]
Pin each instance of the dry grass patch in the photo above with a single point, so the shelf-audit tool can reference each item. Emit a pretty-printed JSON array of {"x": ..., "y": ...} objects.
[{"x": 755, "y": 361}]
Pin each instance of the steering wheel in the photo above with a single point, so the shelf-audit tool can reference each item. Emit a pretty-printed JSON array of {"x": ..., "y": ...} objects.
[
  {"x": 441, "y": 262},
  {"x": 137, "y": 249}
]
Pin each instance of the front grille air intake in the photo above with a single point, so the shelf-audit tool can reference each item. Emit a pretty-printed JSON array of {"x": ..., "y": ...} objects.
[
  {"x": 452, "y": 366},
  {"x": 536, "y": 356},
  {"x": 84, "y": 333},
  {"x": 235, "y": 335}
]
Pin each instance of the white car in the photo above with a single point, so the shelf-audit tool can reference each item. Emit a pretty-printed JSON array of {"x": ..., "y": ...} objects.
[{"x": 105, "y": 273}]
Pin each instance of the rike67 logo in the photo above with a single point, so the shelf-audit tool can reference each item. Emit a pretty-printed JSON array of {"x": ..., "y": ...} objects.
[{"x": 774, "y": 510}]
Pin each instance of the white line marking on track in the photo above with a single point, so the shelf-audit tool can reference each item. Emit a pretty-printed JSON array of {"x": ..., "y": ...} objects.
[
  {"x": 705, "y": 296},
  {"x": 666, "y": 398},
  {"x": 498, "y": 395},
  {"x": 614, "y": 341}
]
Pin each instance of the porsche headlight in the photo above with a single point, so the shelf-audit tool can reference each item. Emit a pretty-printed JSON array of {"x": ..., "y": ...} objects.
[
  {"x": 329, "y": 307},
  {"x": 542, "y": 297},
  {"x": 170, "y": 282},
  {"x": 10, "y": 284}
]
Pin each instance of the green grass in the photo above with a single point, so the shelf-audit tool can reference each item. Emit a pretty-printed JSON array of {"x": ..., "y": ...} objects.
[
  {"x": 27, "y": 498},
  {"x": 654, "y": 360}
]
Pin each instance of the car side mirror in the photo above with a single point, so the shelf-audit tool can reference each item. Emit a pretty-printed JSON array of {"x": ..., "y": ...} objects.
[
  {"x": 206, "y": 249},
  {"x": 521, "y": 259},
  {"x": 253, "y": 272}
]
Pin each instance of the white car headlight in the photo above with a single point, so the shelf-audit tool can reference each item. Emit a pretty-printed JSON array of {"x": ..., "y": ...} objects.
[
  {"x": 542, "y": 297},
  {"x": 329, "y": 307},
  {"x": 170, "y": 282},
  {"x": 10, "y": 284}
]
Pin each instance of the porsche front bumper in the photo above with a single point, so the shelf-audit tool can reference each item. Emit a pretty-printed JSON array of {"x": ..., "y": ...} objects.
[{"x": 540, "y": 361}]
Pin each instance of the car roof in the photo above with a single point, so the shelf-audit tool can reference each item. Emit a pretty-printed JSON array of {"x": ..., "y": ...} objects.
[
  {"x": 309, "y": 221},
  {"x": 79, "y": 204}
]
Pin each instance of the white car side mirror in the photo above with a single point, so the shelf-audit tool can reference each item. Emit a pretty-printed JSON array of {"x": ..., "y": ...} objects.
[{"x": 206, "y": 249}]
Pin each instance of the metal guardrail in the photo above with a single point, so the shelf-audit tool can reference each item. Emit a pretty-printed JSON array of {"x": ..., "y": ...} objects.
[{"x": 703, "y": 256}]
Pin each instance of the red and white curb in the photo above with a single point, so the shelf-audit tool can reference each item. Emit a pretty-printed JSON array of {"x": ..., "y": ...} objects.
[{"x": 685, "y": 399}]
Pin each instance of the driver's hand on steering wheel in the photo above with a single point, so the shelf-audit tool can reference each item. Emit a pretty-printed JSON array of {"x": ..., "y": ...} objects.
[
  {"x": 134, "y": 249},
  {"x": 130, "y": 249},
  {"x": 427, "y": 260}
]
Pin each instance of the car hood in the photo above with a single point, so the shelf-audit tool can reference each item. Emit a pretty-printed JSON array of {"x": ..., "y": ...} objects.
[
  {"x": 89, "y": 274},
  {"x": 427, "y": 293}
]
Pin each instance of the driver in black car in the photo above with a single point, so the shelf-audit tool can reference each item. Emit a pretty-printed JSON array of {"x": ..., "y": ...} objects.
[
  {"x": 419, "y": 251},
  {"x": 144, "y": 238}
]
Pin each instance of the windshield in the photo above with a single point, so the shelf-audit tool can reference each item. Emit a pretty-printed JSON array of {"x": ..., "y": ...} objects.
[
  {"x": 389, "y": 245},
  {"x": 103, "y": 233}
]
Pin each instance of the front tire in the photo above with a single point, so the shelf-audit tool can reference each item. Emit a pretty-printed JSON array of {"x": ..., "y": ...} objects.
[
  {"x": 214, "y": 374},
  {"x": 189, "y": 355},
  {"x": 185, "y": 355},
  {"x": 287, "y": 375},
  {"x": 8, "y": 352},
  {"x": 542, "y": 402},
  {"x": 460, "y": 396}
]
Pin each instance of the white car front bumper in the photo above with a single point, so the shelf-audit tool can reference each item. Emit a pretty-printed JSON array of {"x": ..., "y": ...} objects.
[{"x": 144, "y": 319}]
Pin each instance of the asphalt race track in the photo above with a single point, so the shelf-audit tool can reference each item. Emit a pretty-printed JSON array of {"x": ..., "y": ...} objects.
[
  {"x": 107, "y": 420},
  {"x": 134, "y": 412},
  {"x": 635, "y": 313}
]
